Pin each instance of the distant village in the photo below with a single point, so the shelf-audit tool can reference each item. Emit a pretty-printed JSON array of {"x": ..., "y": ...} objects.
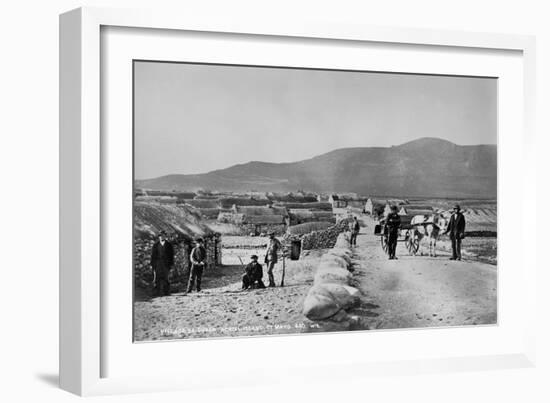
[
  {"x": 303, "y": 220},
  {"x": 257, "y": 213}
]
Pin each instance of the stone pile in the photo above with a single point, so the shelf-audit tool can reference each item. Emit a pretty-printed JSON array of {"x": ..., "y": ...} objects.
[
  {"x": 324, "y": 239},
  {"x": 332, "y": 295}
]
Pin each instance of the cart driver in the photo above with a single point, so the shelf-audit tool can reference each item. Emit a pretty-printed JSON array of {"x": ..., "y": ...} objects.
[{"x": 393, "y": 224}]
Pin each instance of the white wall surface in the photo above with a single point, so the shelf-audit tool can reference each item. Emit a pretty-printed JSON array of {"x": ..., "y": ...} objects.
[{"x": 29, "y": 202}]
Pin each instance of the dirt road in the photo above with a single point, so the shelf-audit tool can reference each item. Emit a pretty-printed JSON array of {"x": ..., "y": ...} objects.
[{"x": 421, "y": 291}]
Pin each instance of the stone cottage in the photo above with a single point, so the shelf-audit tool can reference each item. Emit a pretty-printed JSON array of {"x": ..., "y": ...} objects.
[
  {"x": 183, "y": 225},
  {"x": 257, "y": 219}
]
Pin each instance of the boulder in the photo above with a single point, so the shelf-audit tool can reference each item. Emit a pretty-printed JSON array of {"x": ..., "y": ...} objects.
[
  {"x": 332, "y": 275},
  {"x": 319, "y": 304},
  {"x": 335, "y": 260},
  {"x": 338, "y": 253},
  {"x": 344, "y": 295}
]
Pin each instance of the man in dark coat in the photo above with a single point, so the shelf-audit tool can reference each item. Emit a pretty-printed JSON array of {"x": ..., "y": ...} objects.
[
  {"x": 162, "y": 260},
  {"x": 271, "y": 257},
  {"x": 455, "y": 229},
  {"x": 393, "y": 224},
  {"x": 252, "y": 278},
  {"x": 354, "y": 228},
  {"x": 198, "y": 261}
]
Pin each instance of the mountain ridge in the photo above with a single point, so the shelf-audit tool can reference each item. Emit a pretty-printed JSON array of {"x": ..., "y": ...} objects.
[{"x": 426, "y": 166}]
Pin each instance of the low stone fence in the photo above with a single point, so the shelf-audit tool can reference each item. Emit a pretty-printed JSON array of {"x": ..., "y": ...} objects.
[
  {"x": 321, "y": 239},
  {"x": 332, "y": 295}
]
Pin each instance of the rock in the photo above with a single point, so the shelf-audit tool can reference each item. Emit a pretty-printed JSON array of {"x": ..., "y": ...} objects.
[
  {"x": 319, "y": 304},
  {"x": 335, "y": 260},
  {"x": 332, "y": 275},
  {"x": 344, "y": 295},
  {"x": 340, "y": 254}
]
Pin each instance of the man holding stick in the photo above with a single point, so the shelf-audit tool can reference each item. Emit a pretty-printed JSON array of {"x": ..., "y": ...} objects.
[
  {"x": 198, "y": 261},
  {"x": 271, "y": 257}
]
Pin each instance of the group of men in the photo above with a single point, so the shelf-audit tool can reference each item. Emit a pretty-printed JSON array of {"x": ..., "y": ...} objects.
[
  {"x": 162, "y": 261},
  {"x": 253, "y": 272},
  {"x": 455, "y": 228}
]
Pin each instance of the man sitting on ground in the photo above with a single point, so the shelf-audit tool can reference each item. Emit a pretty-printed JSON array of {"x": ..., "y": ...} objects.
[{"x": 252, "y": 278}]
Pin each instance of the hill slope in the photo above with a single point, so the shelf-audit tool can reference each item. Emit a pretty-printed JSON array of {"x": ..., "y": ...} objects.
[{"x": 423, "y": 167}]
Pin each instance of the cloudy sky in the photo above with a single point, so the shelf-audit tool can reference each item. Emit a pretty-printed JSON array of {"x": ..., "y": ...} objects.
[{"x": 197, "y": 118}]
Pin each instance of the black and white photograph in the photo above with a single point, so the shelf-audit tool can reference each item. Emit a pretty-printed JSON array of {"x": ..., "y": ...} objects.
[{"x": 272, "y": 200}]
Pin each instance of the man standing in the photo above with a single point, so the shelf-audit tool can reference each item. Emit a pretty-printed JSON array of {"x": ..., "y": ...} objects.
[
  {"x": 393, "y": 223},
  {"x": 271, "y": 257},
  {"x": 455, "y": 229},
  {"x": 354, "y": 228},
  {"x": 162, "y": 260},
  {"x": 252, "y": 277},
  {"x": 198, "y": 261}
]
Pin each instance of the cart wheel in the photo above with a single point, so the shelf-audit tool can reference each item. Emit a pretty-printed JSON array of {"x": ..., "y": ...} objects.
[{"x": 384, "y": 244}]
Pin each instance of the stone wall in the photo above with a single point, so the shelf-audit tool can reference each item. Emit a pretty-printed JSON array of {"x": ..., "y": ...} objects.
[{"x": 323, "y": 239}]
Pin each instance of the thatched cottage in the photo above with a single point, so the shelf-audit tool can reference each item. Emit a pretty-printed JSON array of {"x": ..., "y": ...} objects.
[
  {"x": 183, "y": 225},
  {"x": 257, "y": 219}
]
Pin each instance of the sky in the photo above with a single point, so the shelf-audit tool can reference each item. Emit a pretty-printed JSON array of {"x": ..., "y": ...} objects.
[{"x": 192, "y": 118}]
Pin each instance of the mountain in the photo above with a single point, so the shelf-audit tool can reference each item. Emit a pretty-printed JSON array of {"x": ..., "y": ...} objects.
[{"x": 427, "y": 167}]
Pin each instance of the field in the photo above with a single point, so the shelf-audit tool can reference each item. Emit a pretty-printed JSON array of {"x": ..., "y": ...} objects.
[
  {"x": 483, "y": 249},
  {"x": 238, "y": 249},
  {"x": 480, "y": 215}
]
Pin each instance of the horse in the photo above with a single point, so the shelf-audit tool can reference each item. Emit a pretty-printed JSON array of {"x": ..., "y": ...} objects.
[{"x": 428, "y": 227}]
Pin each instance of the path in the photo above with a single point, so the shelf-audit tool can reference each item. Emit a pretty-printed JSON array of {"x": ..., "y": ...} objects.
[
  {"x": 222, "y": 309},
  {"x": 421, "y": 291}
]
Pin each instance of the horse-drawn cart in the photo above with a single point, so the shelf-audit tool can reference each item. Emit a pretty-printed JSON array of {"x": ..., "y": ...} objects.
[
  {"x": 412, "y": 230},
  {"x": 405, "y": 234}
]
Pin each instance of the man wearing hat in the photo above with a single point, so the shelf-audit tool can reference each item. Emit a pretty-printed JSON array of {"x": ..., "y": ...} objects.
[
  {"x": 252, "y": 278},
  {"x": 455, "y": 229},
  {"x": 271, "y": 257},
  {"x": 198, "y": 261},
  {"x": 393, "y": 223},
  {"x": 162, "y": 260}
]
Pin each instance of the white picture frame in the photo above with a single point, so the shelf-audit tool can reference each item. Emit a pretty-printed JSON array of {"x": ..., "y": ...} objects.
[{"x": 83, "y": 176}]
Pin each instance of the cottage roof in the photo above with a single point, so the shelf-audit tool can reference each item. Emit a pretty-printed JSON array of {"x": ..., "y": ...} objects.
[
  {"x": 310, "y": 206},
  {"x": 264, "y": 219},
  {"x": 228, "y": 202},
  {"x": 203, "y": 203},
  {"x": 292, "y": 197},
  {"x": 151, "y": 218},
  {"x": 184, "y": 195},
  {"x": 353, "y": 198},
  {"x": 261, "y": 210},
  {"x": 298, "y": 216}
]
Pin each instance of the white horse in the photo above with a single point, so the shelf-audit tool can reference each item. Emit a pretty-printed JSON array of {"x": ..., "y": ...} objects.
[{"x": 428, "y": 227}]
